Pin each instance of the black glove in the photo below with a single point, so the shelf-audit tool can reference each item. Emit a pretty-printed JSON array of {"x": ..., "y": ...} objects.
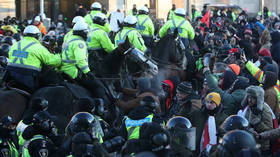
[
  {"x": 90, "y": 76},
  {"x": 114, "y": 144}
]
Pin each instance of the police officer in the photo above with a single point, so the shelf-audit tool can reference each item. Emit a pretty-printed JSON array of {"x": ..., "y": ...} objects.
[
  {"x": 36, "y": 105},
  {"x": 133, "y": 11},
  {"x": 84, "y": 145},
  {"x": 74, "y": 53},
  {"x": 98, "y": 39},
  {"x": 129, "y": 30},
  {"x": 171, "y": 14},
  {"x": 75, "y": 20},
  {"x": 141, "y": 114},
  {"x": 185, "y": 29},
  {"x": 145, "y": 25},
  {"x": 75, "y": 61},
  {"x": 82, "y": 122},
  {"x": 235, "y": 122},
  {"x": 233, "y": 142},
  {"x": 181, "y": 135},
  {"x": 96, "y": 8},
  {"x": 27, "y": 57},
  {"x": 41, "y": 137},
  {"x": 7, "y": 135},
  {"x": 96, "y": 108}
]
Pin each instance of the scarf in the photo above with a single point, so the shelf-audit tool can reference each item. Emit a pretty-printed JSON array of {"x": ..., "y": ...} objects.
[{"x": 209, "y": 137}]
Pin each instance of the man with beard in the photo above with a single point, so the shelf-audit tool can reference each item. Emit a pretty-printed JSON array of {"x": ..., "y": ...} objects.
[{"x": 258, "y": 113}]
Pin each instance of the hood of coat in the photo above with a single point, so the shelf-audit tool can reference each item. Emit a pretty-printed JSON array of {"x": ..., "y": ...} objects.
[
  {"x": 257, "y": 92},
  {"x": 270, "y": 80}
]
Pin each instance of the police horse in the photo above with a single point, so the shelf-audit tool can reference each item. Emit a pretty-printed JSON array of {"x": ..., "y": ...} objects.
[{"x": 62, "y": 98}]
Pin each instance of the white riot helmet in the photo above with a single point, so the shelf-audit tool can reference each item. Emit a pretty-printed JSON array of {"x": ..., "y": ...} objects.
[
  {"x": 99, "y": 18},
  {"x": 32, "y": 31},
  {"x": 77, "y": 19},
  {"x": 37, "y": 18},
  {"x": 180, "y": 12},
  {"x": 144, "y": 10},
  {"x": 130, "y": 21},
  {"x": 96, "y": 6},
  {"x": 81, "y": 29}
]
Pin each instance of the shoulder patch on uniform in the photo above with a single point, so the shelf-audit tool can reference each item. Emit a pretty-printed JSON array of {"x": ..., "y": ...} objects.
[{"x": 81, "y": 45}]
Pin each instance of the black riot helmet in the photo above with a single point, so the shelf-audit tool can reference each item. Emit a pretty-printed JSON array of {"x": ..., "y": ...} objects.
[
  {"x": 17, "y": 36},
  {"x": 42, "y": 120},
  {"x": 234, "y": 141},
  {"x": 6, "y": 121},
  {"x": 178, "y": 121},
  {"x": 39, "y": 104},
  {"x": 8, "y": 40},
  {"x": 4, "y": 50},
  {"x": 235, "y": 122},
  {"x": 150, "y": 102},
  {"x": 85, "y": 122},
  {"x": 181, "y": 132},
  {"x": 94, "y": 106},
  {"x": 153, "y": 137}
]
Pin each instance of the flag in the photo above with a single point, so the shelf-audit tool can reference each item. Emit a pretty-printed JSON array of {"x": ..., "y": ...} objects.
[{"x": 206, "y": 18}]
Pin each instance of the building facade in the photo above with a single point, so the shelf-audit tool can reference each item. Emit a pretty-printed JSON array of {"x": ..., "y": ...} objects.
[{"x": 26, "y": 9}]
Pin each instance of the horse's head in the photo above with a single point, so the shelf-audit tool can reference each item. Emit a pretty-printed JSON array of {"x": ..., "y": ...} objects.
[{"x": 139, "y": 62}]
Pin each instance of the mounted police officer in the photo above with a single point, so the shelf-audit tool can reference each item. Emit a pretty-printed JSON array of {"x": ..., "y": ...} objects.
[
  {"x": 185, "y": 29},
  {"x": 98, "y": 39},
  {"x": 74, "y": 53},
  {"x": 75, "y": 61},
  {"x": 96, "y": 8},
  {"x": 27, "y": 58},
  {"x": 41, "y": 137},
  {"x": 75, "y": 20},
  {"x": 7, "y": 135},
  {"x": 129, "y": 30},
  {"x": 145, "y": 25}
]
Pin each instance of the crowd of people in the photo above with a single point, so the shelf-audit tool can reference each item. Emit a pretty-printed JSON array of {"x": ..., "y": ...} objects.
[{"x": 230, "y": 108}]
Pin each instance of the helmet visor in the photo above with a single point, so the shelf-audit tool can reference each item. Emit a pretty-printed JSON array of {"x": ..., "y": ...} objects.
[{"x": 184, "y": 136}]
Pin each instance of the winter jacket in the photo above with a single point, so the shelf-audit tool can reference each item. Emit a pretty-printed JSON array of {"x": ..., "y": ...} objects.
[
  {"x": 198, "y": 118},
  {"x": 259, "y": 117},
  {"x": 271, "y": 134},
  {"x": 275, "y": 48},
  {"x": 188, "y": 108},
  {"x": 270, "y": 97},
  {"x": 231, "y": 101}
]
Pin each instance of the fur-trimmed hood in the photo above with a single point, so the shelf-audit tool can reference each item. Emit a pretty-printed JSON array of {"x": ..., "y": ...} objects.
[{"x": 257, "y": 92}]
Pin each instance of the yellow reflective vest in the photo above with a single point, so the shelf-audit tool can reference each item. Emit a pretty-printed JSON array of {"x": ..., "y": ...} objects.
[{"x": 30, "y": 54}]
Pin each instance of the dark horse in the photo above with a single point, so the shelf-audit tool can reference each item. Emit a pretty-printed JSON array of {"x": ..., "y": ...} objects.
[
  {"x": 62, "y": 98},
  {"x": 171, "y": 57}
]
